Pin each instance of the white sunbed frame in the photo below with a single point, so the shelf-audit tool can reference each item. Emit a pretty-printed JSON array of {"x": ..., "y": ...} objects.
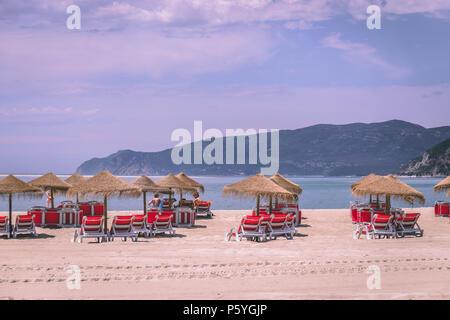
[
  {"x": 5, "y": 228},
  {"x": 24, "y": 228},
  {"x": 101, "y": 235},
  {"x": 122, "y": 232}
]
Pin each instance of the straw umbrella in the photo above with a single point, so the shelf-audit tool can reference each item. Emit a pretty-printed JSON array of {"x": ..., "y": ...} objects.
[
  {"x": 190, "y": 182},
  {"x": 256, "y": 186},
  {"x": 12, "y": 185},
  {"x": 172, "y": 182},
  {"x": 365, "y": 180},
  {"x": 286, "y": 184},
  {"x": 390, "y": 187},
  {"x": 147, "y": 185},
  {"x": 75, "y": 180},
  {"x": 443, "y": 185},
  {"x": 52, "y": 182},
  {"x": 105, "y": 184}
]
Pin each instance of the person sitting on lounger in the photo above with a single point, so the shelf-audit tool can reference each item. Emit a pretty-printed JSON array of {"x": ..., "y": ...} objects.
[
  {"x": 197, "y": 199},
  {"x": 155, "y": 202}
]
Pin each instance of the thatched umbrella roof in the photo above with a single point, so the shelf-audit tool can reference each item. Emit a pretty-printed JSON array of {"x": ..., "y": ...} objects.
[
  {"x": 76, "y": 179},
  {"x": 172, "y": 182},
  {"x": 367, "y": 179},
  {"x": 50, "y": 181},
  {"x": 148, "y": 185},
  {"x": 389, "y": 186},
  {"x": 190, "y": 182},
  {"x": 257, "y": 185},
  {"x": 105, "y": 184},
  {"x": 12, "y": 185},
  {"x": 286, "y": 184},
  {"x": 443, "y": 185}
]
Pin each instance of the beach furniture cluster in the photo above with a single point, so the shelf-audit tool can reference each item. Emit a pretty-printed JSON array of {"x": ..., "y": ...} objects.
[
  {"x": 376, "y": 223},
  {"x": 263, "y": 227}
]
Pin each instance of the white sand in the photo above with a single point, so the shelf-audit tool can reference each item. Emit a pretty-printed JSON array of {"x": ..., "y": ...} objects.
[{"x": 323, "y": 262}]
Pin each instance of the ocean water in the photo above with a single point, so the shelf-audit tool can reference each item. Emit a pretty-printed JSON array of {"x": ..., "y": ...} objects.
[{"x": 318, "y": 193}]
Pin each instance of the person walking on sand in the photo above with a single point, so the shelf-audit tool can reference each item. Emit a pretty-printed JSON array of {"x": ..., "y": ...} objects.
[{"x": 49, "y": 198}]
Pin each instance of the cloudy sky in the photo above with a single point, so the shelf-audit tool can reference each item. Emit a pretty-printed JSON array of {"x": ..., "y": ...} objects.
[{"x": 137, "y": 70}]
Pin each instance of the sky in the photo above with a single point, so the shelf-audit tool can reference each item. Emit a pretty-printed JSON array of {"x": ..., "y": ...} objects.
[{"x": 137, "y": 70}]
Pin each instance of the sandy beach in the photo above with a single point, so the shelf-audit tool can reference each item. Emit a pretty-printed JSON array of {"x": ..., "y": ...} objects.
[{"x": 321, "y": 262}]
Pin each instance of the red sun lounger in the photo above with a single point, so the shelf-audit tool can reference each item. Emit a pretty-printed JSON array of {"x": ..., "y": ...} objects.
[
  {"x": 122, "y": 227},
  {"x": 91, "y": 227},
  {"x": 251, "y": 228},
  {"x": 407, "y": 225},
  {"x": 24, "y": 225},
  {"x": 163, "y": 224},
  {"x": 4, "y": 226},
  {"x": 379, "y": 226},
  {"x": 203, "y": 207},
  {"x": 139, "y": 225}
]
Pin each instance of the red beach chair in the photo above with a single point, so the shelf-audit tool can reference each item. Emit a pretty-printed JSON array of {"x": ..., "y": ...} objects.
[
  {"x": 4, "y": 226},
  {"x": 122, "y": 227},
  {"x": 163, "y": 224},
  {"x": 444, "y": 209},
  {"x": 380, "y": 226},
  {"x": 25, "y": 225},
  {"x": 278, "y": 226},
  {"x": 169, "y": 213},
  {"x": 250, "y": 228},
  {"x": 139, "y": 226},
  {"x": 407, "y": 225},
  {"x": 91, "y": 227},
  {"x": 204, "y": 207}
]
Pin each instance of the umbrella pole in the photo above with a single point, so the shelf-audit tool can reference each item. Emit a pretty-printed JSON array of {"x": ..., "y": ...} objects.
[
  {"x": 170, "y": 198},
  {"x": 257, "y": 206},
  {"x": 388, "y": 204},
  {"x": 145, "y": 202},
  {"x": 270, "y": 205},
  {"x": 276, "y": 201},
  {"x": 370, "y": 199},
  {"x": 10, "y": 215},
  {"x": 51, "y": 194},
  {"x": 378, "y": 200},
  {"x": 77, "y": 197},
  {"x": 105, "y": 212}
]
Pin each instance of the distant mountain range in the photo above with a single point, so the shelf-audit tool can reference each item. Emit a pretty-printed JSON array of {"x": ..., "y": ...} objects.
[
  {"x": 329, "y": 150},
  {"x": 434, "y": 162}
]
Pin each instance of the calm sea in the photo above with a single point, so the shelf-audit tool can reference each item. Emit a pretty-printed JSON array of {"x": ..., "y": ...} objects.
[{"x": 318, "y": 193}]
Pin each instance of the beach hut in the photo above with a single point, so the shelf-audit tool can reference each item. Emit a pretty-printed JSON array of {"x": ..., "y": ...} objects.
[
  {"x": 75, "y": 180},
  {"x": 443, "y": 185},
  {"x": 52, "y": 182},
  {"x": 10, "y": 186},
  {"x": 172, "y": 182},
  {"x": 389, "y": 186},
  {"x": 147, "y": 185},
  {"x": 257, "y": 186},
  {"x": 106, "y": 185}
]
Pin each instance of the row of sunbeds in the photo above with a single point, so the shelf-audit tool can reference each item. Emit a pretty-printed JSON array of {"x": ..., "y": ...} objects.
[
  {"x": 124, "y": 227},
  {"x": 263, "y": 227},
  {"x": 375, "y": 223}
]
